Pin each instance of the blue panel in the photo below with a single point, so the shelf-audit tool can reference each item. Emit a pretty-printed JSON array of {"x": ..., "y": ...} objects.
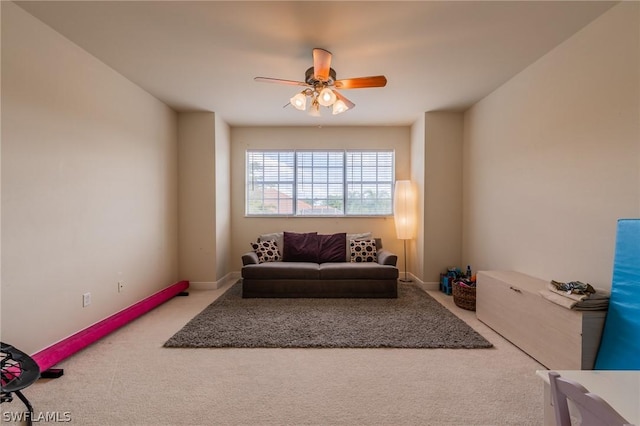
[{"x": 620, "y": 345}]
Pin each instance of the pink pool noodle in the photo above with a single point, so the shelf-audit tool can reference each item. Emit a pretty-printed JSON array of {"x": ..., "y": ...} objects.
[{"x": 55, "y": 353}]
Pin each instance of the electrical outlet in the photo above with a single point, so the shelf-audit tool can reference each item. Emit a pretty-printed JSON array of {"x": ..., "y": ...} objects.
[
  {"x": 120, "y": 286},
  {"x": 86, "y": 300}
]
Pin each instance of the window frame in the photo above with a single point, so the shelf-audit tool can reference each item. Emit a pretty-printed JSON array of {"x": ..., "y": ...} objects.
[{"x": 296, "y": 200}]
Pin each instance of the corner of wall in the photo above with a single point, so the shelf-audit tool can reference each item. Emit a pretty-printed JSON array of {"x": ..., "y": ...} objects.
[{"x": 442, "y": 192}]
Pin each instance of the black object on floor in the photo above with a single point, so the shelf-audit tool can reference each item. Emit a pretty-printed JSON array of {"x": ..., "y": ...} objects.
[
  {"x": 52, "y": 373},
  {"x": 18, "y": 371}
]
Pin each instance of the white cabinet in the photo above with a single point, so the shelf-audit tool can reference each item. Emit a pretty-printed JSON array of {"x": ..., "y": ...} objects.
[{"x": 559, "y": 338}]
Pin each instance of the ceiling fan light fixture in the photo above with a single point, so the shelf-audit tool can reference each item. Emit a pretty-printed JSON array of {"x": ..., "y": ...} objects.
[
  {"x": 320, "y": 82},
  {"x": 299, "y": 101},
  {"x": 339, "y": 107},
  {"x": 314, "y": 110},
  {"x": 326, "y": 97}
]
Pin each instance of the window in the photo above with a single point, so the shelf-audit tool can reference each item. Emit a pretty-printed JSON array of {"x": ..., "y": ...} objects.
[
  {"x": 319, "y": 183},
  {"x": 270, "y": 182},
  {"x": 370, "y": 182}
]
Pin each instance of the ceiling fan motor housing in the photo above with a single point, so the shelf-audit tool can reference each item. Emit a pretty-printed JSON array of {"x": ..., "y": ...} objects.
[{"x": 309, "y": 78}]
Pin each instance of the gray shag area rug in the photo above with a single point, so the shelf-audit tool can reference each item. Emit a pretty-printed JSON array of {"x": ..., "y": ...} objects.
[{"x": 413, "y": 320}]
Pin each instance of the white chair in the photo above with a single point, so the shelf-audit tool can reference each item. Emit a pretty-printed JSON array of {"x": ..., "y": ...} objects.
[{"x": 592, "y": 410}]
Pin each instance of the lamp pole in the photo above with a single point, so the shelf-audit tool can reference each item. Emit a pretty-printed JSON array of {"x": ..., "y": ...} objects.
[{"x": 406, "y": 279}]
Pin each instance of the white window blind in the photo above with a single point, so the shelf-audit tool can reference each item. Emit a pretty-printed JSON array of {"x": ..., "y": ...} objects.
[
  {"x": 319, "y": 182},
  {"x": 370, "y": 177},
  {"x": 270, "y": 183}
]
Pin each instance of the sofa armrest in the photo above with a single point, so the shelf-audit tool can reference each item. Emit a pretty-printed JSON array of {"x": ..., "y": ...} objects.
[
  {"x": 385, "y": 257},
  {"x": 250, "y": 258}
]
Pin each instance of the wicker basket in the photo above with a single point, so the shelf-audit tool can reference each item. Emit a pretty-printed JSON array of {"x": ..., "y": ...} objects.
[{"x": 464, "y": 297}]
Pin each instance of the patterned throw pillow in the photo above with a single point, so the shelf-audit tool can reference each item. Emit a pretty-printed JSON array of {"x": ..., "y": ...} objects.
[
  {"x": 276, "y": 236},
  {"x": 359, "y": 236},
  {"x": 267, "y": 251},
  {"x": 363, "y": 251}
]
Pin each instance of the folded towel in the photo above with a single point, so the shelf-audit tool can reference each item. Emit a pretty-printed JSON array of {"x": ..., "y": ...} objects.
[
  {"x": 591, "y": 308},
  {"x": 600, "y": 295},
  {"x": 598, "y": 301},
  {"x": 558, "y": 299}
]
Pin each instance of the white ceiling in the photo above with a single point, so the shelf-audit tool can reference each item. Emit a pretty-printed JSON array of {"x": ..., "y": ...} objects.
[{"x": 203, "y": 55}]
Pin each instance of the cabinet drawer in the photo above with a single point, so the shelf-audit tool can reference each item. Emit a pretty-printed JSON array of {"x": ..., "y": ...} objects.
[{"x": 510, "y": 303}]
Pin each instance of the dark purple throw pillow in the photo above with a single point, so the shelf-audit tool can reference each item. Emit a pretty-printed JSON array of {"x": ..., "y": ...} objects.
[
  {"x": 300, "y": 247},
  {"x": 332, "y": 247}
]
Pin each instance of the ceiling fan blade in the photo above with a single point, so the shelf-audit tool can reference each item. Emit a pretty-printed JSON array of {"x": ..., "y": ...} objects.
[
  {"x": 321, "y": 64},
  {"x": 346, "y": 101},
  {"x": 361, "y": 82},
  {"x": 280, "y": 81}
]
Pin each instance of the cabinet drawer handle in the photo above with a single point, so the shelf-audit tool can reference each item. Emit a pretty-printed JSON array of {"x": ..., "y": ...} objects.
[{"x": 517, "y": 290}]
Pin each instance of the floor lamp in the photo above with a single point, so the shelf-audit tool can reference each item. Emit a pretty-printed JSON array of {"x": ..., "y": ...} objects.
[{"x": 404, "y": 216}]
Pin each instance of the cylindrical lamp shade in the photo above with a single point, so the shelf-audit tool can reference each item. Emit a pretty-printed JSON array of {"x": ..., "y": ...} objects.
[{"x": 404, "y": 201}]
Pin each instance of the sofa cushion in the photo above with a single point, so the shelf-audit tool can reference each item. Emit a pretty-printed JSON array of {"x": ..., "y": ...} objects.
[
  {"x": 332, "y": 247},
  {"x": 300, "y": 247},
  {"x": 363, "y": 251},
  {"x": 281, "y": 270},
  {"x": 267, "y": 251},
  {"x": 357, "y": 271}
]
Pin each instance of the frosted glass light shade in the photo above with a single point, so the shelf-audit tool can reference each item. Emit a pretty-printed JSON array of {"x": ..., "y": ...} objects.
[
  {"x": 299, "y": 101},
  {"x": 339, "y": 106},
  {"x": 326, "y": 97},
  {"x": 404, "y": 201}
]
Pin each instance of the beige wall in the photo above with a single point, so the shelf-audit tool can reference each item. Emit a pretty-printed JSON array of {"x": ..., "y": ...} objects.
[
  {"x": 442, "y": 193},
  {"x": 204, "y": 199},
  {"x": 246, "y": 229},
  {"x": 551, "y": 158},
  {"x": 197, "y": 197},
  {"x": 416, "y": 247},
  {"x": 223, "y": 199},
  {"x": 89, "y": 190},
  {"x": 436, "y": 170}
]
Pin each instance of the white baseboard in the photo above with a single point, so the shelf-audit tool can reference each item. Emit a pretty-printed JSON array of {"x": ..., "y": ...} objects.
[
  {"x": 203, "y": 285},
  {"x": 422, "y": 284},
  {"x": 431, "y": 286},
  {"x": 228, "y": 279}
]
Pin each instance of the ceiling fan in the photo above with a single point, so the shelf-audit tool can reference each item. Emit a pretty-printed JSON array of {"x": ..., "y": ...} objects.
[{"x": 320, "y": 85}]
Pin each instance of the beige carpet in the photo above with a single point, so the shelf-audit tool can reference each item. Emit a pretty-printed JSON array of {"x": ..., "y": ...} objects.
[{"x": 128, "y": 378}]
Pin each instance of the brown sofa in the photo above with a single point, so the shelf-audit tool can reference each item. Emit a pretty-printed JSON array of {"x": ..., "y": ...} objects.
[{"x": 335, "y": 279}]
